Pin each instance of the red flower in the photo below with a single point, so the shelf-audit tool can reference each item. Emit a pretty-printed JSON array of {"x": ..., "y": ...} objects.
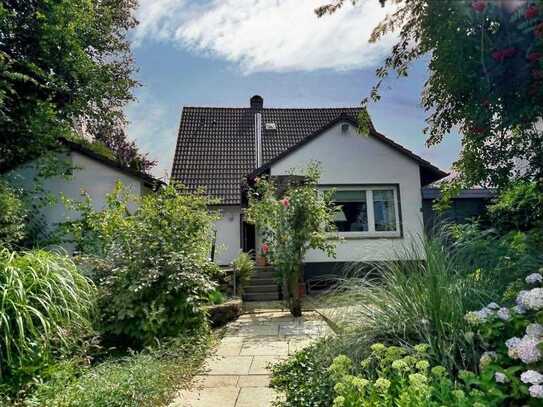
[
  {"x": 534, "y": 56},
  {"x": 265, "y": 248},
  {"x": 478, "y": 130},
  {"x": 478, "y": 5},
  {"x": 284, "y": 202},
  {"x": 502, "y": 54},
  {"x": 538, "y": 30},
  {"x": 531, "y": 12},
  {"x": 537, "y": 74}
]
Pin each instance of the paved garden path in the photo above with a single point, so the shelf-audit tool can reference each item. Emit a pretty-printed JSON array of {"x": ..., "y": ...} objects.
[{"x": 237, "y": 373}]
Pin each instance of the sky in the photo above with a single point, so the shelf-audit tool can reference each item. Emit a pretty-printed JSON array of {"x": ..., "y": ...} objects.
[{"x": 222, "y": 52}]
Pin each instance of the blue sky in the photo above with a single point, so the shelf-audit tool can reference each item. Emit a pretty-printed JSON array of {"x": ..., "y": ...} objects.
[{"x": 221, "y": 52}]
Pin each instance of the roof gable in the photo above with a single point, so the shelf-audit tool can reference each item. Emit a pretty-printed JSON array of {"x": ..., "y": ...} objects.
[{"x": 216, "y": 146}]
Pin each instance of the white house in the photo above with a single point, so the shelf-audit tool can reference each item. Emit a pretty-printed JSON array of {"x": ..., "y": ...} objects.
[
  {"x": 91, "y": 172},
  {"x": 378, "y": 183}
]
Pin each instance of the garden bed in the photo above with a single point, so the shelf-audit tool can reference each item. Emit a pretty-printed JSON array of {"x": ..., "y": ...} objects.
[{"x": 220, "y": 314}]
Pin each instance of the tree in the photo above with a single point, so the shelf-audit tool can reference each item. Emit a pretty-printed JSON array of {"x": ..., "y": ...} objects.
[
  {"x": 63, "y": 62},
  {"x": 485, "y": 78},
  {"x": 303, "y": 219}
]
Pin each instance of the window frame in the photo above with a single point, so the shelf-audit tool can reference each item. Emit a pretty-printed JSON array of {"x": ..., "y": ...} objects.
[{"x": 369, "y": 188}]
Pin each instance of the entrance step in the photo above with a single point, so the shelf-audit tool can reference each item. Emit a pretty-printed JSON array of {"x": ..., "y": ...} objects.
[
  {"x": 271, "y": 288},
  {"x": 261, "y": 296}
]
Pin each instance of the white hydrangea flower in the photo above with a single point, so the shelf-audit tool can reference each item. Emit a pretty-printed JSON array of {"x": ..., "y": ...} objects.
[
  {"x": 493, "y": 306},
  {"x": 477, "y": 317},
  {"x": 531, "y": 377},
  {"x": 534, "y": 330},
  {"x": 527, "y": 349},
  {"x": 531, "y": 300},
  {"x": 500, "y": 377},
  {"x": 504, "y": 314},
  {"x": 512, "y": 347},
  {"x": 534, "y": 278},
  {"x": 536, "y": 391}
]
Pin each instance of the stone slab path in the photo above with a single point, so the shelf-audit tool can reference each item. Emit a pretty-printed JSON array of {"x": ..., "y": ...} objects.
[{"x": 238, "y": 372}]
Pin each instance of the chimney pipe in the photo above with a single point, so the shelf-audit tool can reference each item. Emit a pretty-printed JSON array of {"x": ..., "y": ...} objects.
[{"x": 257, "y": 102}]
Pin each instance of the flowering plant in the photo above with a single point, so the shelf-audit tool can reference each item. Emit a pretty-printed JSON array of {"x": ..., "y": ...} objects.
[
  {"x": 513, "y": 338},
  {"x": 290, "y": 226},
  {"x": 396, "y": 376}
]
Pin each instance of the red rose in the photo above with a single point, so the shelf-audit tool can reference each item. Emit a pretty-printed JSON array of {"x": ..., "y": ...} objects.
[
  {"x": 478, "y": 5},
  {"x": 265, "y": 248},
  {"x": 538, "y": 30},
  {"x": 284, "y": 202},
  {"x": 531, "y": 12},
  {"x": 534, "y": 56},
  {"x": 478, "y": 130}
]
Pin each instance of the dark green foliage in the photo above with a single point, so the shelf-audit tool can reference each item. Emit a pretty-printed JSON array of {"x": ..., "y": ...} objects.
[
  {"x": 485, "y": 64},
  {"x": 64, "y": 62},
  {"x": 500, "y": 259},
  {"x": 13, "y": 216},
  {"x": 147, "y": 379},
  {"x": 519, "y": 207},
  {"x": 151, "y": 264},
  {"x": 304, "y": 378}
]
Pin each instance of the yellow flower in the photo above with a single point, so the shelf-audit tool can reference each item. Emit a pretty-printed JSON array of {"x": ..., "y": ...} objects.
[
  {"x": 382, "y": 385},
  {"x": 422, "y": 365},
  {"x": 377, "y": 347}
]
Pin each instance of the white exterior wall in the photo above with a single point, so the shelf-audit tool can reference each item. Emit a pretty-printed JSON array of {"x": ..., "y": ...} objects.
[
  {"x": 354, "y": 159},
  {"x": 228, "y": 242},
  {"x": 90, "y": 175}
]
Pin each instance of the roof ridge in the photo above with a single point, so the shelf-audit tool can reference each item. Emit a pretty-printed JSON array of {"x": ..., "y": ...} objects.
[{"x": 274, "y": 108}]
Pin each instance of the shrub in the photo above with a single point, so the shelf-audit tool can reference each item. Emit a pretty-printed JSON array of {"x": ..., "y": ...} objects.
[
  {"x": 45, "y": 308},
  {"x": 13, "y": 216},
  {"x": 394, "y": 376},
  {"x": 152, "y": 266},
  {"x": 408, "y": 301},
  {"x": 512, "y": 337},
  {"x": 215, "y": 297},
  {"x": 304, "y": 378},
  {"x": 520, "y": 207},
  {"x": 244, "y": 267},
  {"x": 502, "y": 259},
  {"x": 149, "y": 378}
]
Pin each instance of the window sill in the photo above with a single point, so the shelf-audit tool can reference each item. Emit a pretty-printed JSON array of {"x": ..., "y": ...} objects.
[{"x": 369, "y": 235}]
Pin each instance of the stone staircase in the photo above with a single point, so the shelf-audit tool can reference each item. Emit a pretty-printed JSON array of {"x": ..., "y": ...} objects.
[{"x": 263, "y": 286}]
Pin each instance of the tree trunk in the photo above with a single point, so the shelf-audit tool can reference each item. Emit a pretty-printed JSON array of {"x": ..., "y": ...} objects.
[{"x": 294, "y": 300}]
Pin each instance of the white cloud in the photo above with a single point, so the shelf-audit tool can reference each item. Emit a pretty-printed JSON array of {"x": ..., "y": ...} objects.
[{"x": 269, "y": 35}]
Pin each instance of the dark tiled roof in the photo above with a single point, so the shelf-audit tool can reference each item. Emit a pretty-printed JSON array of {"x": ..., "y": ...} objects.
[
  {"x": 149, "y": 180},
  {"x": 216, "y": 146}
]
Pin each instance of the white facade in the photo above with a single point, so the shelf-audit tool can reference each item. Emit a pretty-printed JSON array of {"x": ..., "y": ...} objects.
[
  {"x": 228, "y": 237},
  {"x": 350, "y": 160},
  {"x": 92, "y": 176}
]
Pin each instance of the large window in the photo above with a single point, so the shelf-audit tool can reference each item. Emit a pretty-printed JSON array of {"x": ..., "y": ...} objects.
[{"x": 367, "y": 211}]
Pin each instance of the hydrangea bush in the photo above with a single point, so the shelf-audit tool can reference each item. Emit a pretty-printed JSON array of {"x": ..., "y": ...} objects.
[
  {"x": 513, "y": 339},
  {"x": 396, "y": 376}
]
